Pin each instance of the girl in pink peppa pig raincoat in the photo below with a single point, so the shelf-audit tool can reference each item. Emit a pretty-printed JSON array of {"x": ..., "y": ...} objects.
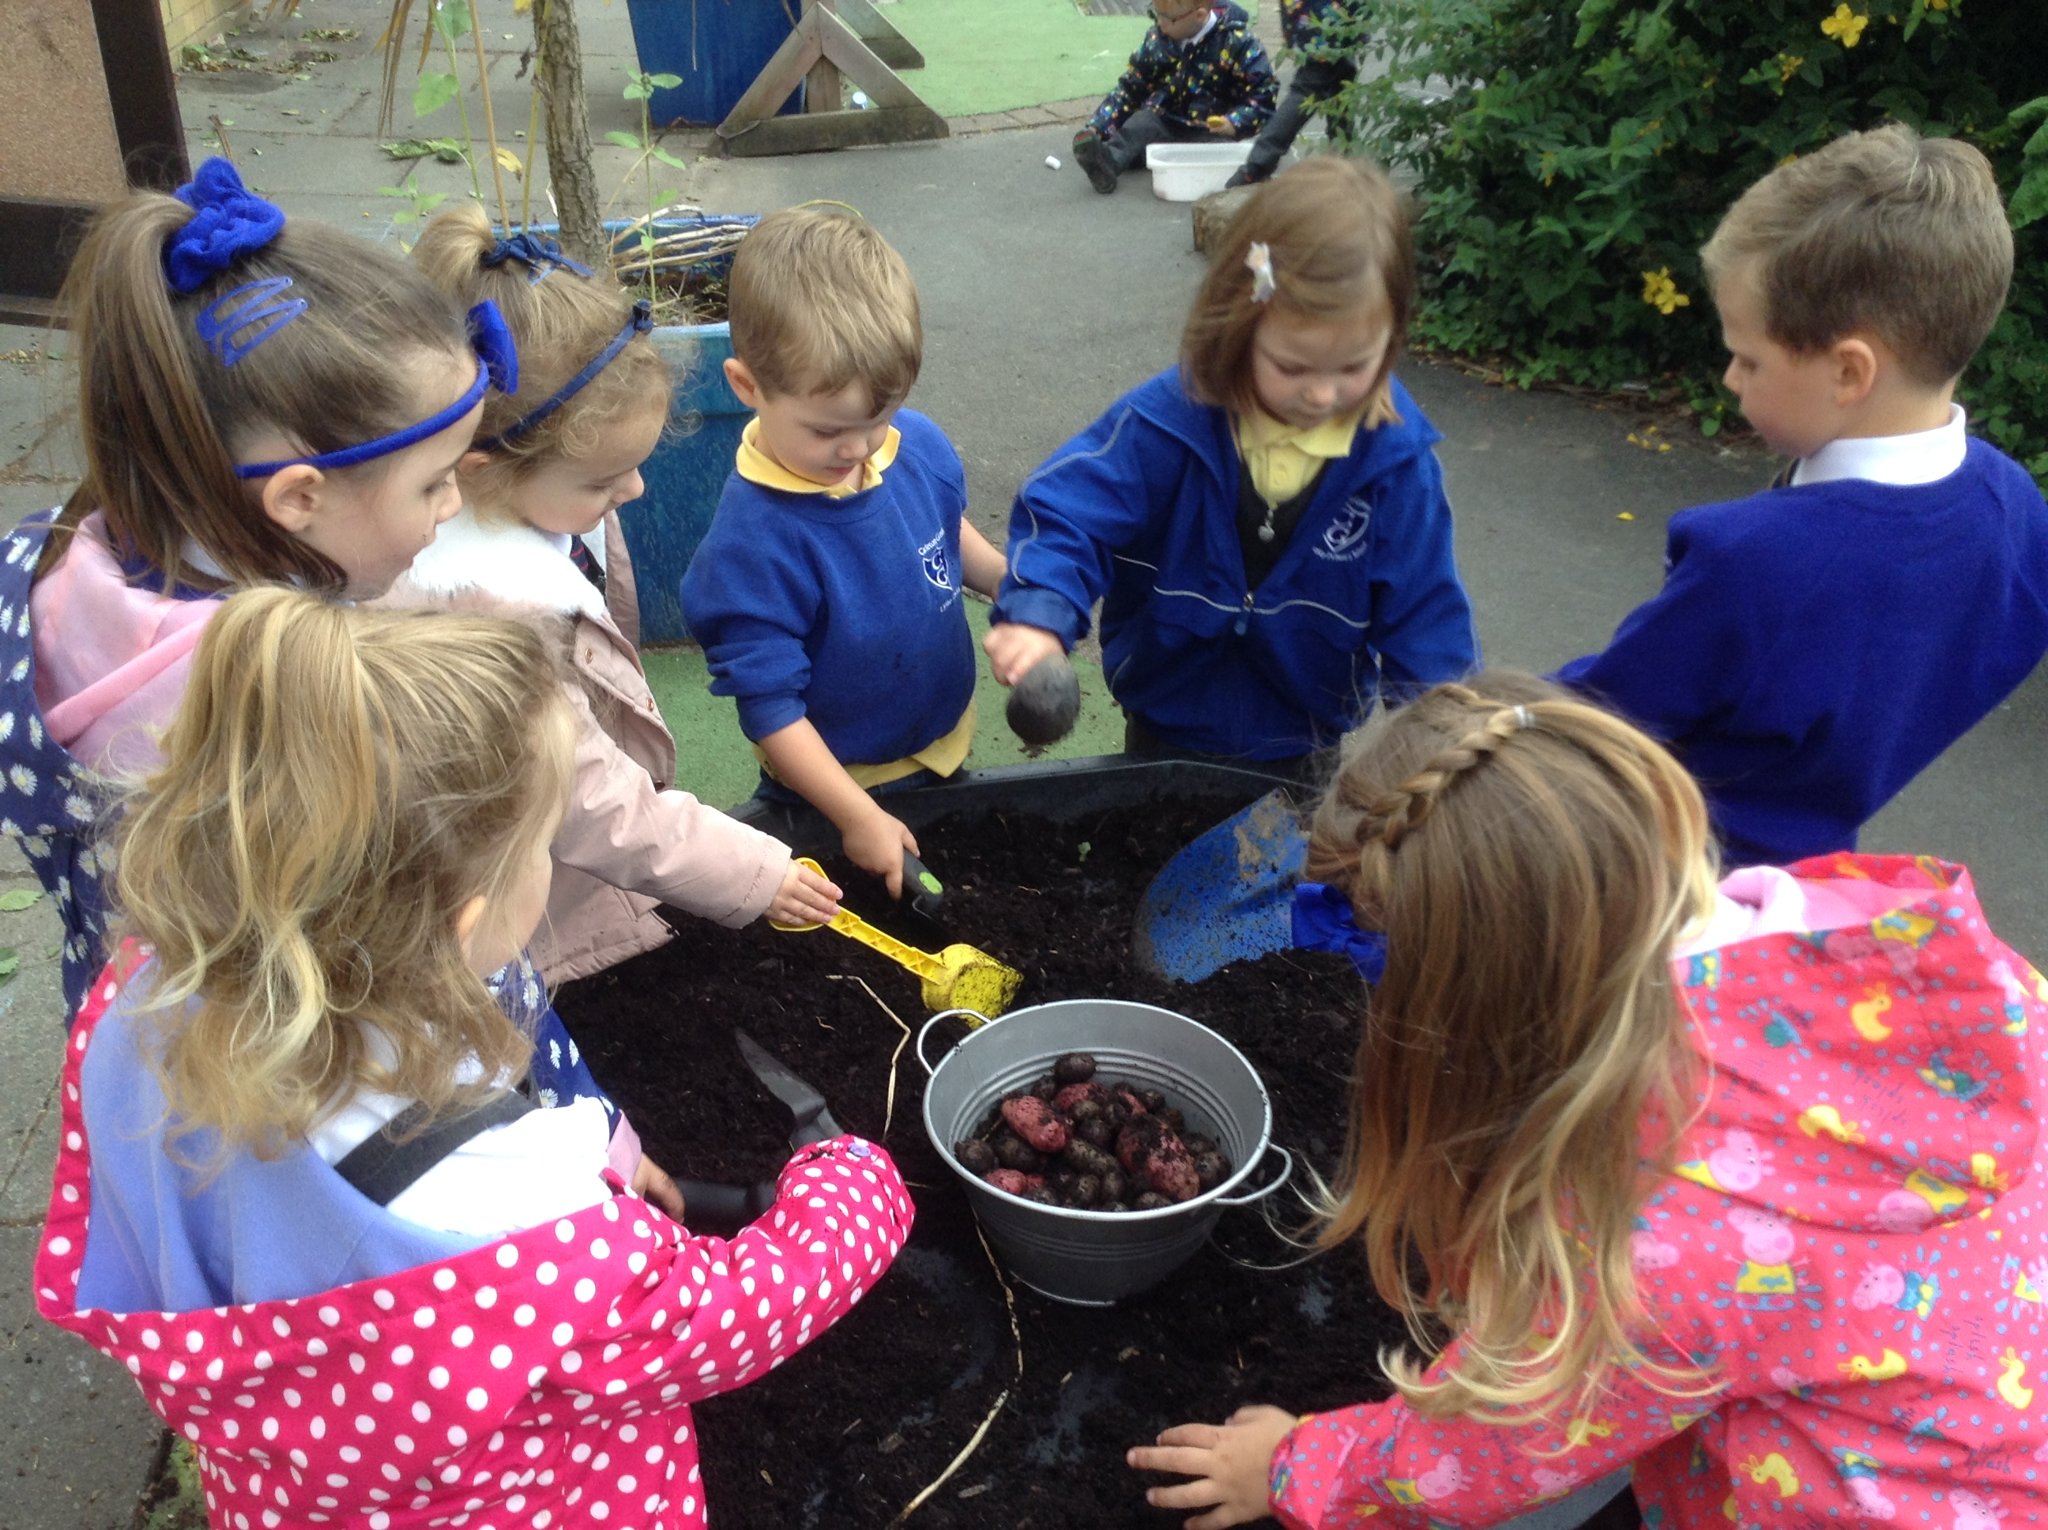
[
  {"x": 1810, "y": 1287},
  {"x": 299, "y": 1195}
]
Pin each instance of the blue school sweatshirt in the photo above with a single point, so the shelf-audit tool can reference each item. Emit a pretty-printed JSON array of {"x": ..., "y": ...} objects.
[
  {"x": 1815, "y": 647},
  {"x": 846, "y": 611}
]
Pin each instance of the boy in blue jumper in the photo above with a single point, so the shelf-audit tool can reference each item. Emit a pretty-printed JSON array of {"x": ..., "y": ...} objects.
[
  {"x": 827, "y": 593},
  {"x": 1816, "y": 645},
  {"x": 1198, "y": 76}
]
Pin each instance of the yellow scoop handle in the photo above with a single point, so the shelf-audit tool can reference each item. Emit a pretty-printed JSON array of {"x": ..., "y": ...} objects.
[
  {"x": 853, "y": 927},
  {"x": 959, "y": 975}
]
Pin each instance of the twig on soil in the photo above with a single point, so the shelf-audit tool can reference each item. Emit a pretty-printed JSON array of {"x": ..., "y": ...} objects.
[
  {"x": 1002, "y": 1398},
  {"x": 889, "y": 1108}
]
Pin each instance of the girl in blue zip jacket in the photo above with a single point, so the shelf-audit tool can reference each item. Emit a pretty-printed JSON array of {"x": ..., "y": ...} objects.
[{"x": 1265, "y": 524}]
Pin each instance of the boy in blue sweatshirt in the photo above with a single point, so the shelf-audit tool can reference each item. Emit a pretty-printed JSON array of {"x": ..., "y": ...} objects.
[
  {"x": 827, "y": 593},
  {"x": 1815, "y": 646},
  {"x": 1198, "y": 76}
]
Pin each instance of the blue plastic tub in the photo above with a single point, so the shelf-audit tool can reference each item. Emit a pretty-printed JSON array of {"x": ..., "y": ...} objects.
[
  {"x": 689, "y": 466},
  {"x": 716, "y": 46}
]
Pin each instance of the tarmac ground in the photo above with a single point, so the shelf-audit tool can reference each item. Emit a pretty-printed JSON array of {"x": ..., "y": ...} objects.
[{"x": 1042, "y": 302}]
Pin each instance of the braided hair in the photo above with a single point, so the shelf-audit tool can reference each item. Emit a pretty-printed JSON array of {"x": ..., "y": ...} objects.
[{"x": 1532, "y": 860}]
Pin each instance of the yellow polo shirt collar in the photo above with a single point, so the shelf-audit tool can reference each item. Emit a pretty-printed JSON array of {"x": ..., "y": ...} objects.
[
  {"x": 1284, "y": 459},
  {"x": 756, "y": 466}
]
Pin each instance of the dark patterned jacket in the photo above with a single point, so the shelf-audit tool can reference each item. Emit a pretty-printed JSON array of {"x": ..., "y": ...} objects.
[
  {"x": 1224, "y": 73},
  {"x": 1302, "y": 21}
]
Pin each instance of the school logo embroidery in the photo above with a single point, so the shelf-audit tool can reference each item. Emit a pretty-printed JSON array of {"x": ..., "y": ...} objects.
[
  {"x": 1344, "y": 538},
  {"x": 935, "y": 567}
]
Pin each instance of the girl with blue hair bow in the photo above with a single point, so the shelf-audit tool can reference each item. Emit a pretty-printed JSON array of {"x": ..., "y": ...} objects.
[{"x": 261, "y": 402}]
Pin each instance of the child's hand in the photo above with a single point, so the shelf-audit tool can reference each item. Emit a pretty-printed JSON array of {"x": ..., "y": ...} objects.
[
  {"x": 804, "y": 898},
  {"x": 1222, "y": 127},
  {"x": 651, "y": 1183},
  {"x": 1014, "y": 650},
  {"x": 1230, "y": 1463},
  {"x": 876, "y": 843}
]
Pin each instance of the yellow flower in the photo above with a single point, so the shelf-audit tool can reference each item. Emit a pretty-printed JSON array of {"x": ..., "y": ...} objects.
[
  {"x": 1937, "y": 5},
  {"x": 1662, "y": 293},
  {"x": 1845, "y": 25},
  {"x": 1789, "y": 64}
]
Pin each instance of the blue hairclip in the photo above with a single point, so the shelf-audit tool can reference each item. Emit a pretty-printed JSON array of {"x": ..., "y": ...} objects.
[
  {"x": 228, "y": 221},
  {"x": 496, "y": 358},
  {"x": 1323, "y": 921},
  {"x": 225, "y": 323},
  {"x": 639, "y": 324},
  {"x": 537, "y": 252}
]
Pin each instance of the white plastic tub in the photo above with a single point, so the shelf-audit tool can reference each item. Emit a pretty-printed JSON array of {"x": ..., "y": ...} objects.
[{"x": 1186, "y": 172}]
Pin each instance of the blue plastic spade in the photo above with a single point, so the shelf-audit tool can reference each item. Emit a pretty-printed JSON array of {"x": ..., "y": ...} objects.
[{"x": 1226, "y": 897}]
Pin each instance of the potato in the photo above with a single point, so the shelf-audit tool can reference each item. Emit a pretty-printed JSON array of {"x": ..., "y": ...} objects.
[
  {"x": 975, "y": 1155},
  {"x": 1074, "y": 1068},
  {"x": 1035, "y": 1121}
]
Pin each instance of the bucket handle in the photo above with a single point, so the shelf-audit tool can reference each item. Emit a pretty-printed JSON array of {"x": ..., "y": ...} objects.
[
  {"x": 1286, "y": 1173},
  {"x": 975, "y": 1021}
]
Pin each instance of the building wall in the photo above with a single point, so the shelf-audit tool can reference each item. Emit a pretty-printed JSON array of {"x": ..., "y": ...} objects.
[
  {"x": 56, "y": 121},
  {"x": 194, "y": 20}
]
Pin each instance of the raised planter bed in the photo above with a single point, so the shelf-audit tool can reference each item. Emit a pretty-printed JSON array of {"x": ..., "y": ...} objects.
[{"x": 1043, "y": 866}]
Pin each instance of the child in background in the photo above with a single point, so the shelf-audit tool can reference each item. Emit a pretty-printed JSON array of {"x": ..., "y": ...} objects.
[
  {"x": 552, "y": 464},
  {"x": 1198, "y": 76},
  {"x": 1325, "y": 67},
  {"x": 1815, "y": 646},
  {"x": 827, "y": 593},
  {"x": 260, "y": 403},
  {"x": 1265, "y": 524},
  {"x": 1774, "y": 1295},
  {"x": 336, "y": 1248}
]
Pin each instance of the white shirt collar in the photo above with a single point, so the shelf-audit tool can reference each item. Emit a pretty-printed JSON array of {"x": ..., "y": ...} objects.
[
  {"x": 1920, "y": 456},
  {"x": 1207, "y": 27}
]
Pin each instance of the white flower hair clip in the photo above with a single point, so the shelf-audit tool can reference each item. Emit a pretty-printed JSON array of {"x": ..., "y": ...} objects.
[{"x": 1259, "y": 261}]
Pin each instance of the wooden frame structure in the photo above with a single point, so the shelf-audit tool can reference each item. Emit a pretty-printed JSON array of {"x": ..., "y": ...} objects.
[
  {"x": 835, "y": 42},
  {"x": 38, "y": 236}
]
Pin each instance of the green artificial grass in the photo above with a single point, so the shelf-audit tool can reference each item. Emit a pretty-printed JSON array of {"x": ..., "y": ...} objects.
[
  {"x": 996, "y": 55},
  {"x": 715, "y": 761}
]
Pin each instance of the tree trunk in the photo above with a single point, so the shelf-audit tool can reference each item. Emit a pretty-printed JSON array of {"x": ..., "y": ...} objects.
[{"x": 558, "y": 76}]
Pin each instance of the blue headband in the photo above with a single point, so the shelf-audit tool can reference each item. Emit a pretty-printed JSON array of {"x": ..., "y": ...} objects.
[
  {"x": 497, "y": 367},
  {"x": 1323, "y": 921},
  {"x": 640, "y": 323},
  {"x": 538, "y": 253}
]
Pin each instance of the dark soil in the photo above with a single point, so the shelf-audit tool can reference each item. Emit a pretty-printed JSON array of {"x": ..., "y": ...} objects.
[{"x": 853, "y": 1429}]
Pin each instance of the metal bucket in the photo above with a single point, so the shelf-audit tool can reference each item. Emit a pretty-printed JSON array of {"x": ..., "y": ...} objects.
[{"x": 1092, "y": 1258}]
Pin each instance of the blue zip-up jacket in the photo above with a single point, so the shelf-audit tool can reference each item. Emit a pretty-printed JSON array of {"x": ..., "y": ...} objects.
[
  {"x": 1140, "y": 512},
  {"x": 1225, "y": 73},
  {"x": 1815, "y": 647}
]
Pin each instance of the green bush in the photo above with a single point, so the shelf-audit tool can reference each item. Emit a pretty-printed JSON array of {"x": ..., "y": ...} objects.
[{"x": 1569, "y": 161}]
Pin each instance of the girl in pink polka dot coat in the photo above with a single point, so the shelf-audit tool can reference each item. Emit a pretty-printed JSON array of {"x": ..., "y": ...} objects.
[
  {"x": 1808, "y": 1288},
  {"x": 298, "y": 1195}
]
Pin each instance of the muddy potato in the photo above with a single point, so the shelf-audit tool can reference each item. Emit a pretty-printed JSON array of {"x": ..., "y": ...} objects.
[
  {"x": 1211, "y": 1169},
  {"x": 1087, "y": 1158},
  {"x": 1096, "y": 1132},
  {"x": 1198, "y": 1144},
  {"x": 1042, "y": 1195},
  {"x": 1044, "y": 1087},
  {"x": 1171, "y": 1117},
  {"x": 1114, "y": 1206},
  {"x": 975, "y": 1155},
  {"x": 1013, "y": 1152},
  {"x": 1014, "y": 1182},
  {"x": 1036, "y": 1122},
  {"x": 1154, "y": 1100},
  {"x": 1116, "y": 1185},
  {"x": 1074, "y": 1068},
  {"x": 1151, "y": 1200},
  {"x": 1062, "y": 1178},
  {"x": 1085, "y": 1191},
  {"x": 1072, "y": 1097}
]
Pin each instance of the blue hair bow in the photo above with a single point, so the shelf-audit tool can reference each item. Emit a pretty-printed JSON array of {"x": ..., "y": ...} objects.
[
  {"x": 228, "y": 221},
  {"x": 1323, "y": 921},
  {"x": 639, "y": 322},
  {"x": 491, "y": 337},
  {"x": 537, "y": 252}
]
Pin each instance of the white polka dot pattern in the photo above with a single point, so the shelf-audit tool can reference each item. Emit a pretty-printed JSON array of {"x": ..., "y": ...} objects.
[{"x": 542, "y": 1380}]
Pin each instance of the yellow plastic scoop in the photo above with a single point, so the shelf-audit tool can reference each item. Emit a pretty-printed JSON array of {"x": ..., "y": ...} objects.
[{"x": 959, "y": 977}]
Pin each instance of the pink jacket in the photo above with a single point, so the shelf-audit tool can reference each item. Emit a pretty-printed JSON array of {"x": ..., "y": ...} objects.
[
  {"x": 1854, "y": 1243},
  {"x": 542, "y": 1379},
  {"x": 112, "y": 658},
  {"x": 629, "y": 841}
]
